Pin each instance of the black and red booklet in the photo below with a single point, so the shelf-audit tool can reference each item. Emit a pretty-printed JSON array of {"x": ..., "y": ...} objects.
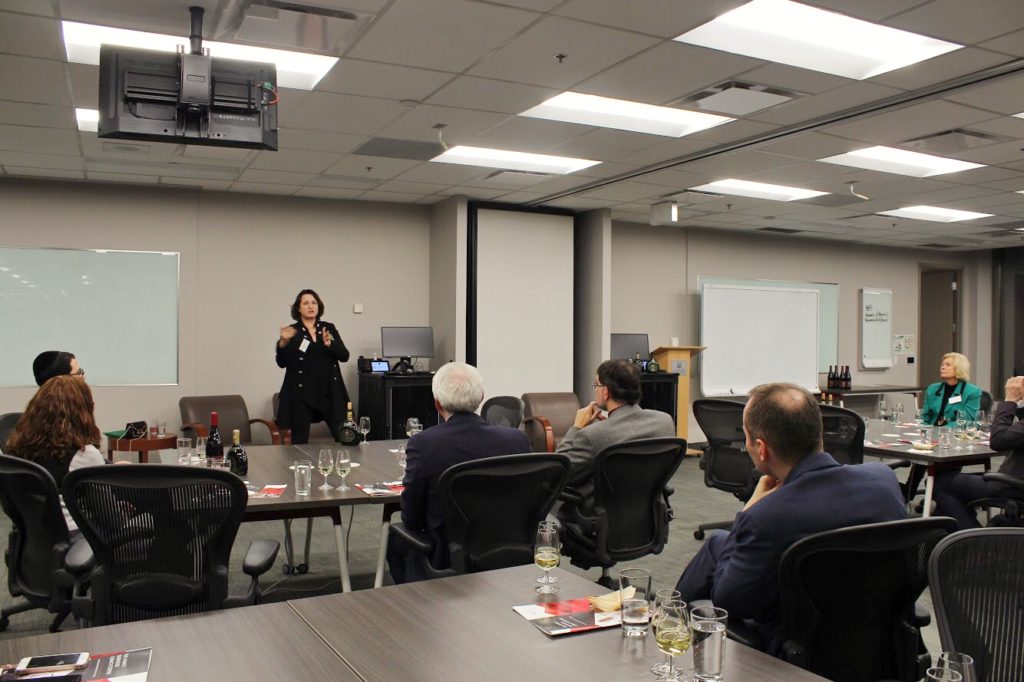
[
  {"x": 567, "y": 617},
  {"x": 113, "y": 666}
]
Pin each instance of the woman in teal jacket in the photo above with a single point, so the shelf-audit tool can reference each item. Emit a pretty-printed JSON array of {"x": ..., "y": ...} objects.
[{"x": 952, "y": 396}]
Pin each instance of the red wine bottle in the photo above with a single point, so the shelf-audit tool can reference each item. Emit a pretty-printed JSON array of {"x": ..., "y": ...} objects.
[{"x": 214, "y": 444}]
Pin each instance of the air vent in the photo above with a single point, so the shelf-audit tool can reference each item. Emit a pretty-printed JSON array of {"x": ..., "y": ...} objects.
[
  {"x": 393, "y": 148},
  {"x": 313, "y": 26},
  {"x": 125, "y": 148},
  {"x": 955, "y": 140},
  {"x": 690, "y": 197},
  {"x": 507, "y": 178},
  {"x": 737, "y": 98},
  {"x": 779, "y": 230}
]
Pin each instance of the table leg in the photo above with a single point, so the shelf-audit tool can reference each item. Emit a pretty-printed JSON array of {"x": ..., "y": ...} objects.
[
  {"x": 385, "y": 524},
  {"x": 143, "y": 457},
  {"x": 309, "y": 538},
  {"x": 929, "y": 485},
  {"x": 339, "y": 539}
]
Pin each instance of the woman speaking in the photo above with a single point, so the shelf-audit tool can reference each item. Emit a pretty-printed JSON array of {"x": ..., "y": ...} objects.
[{"x": 309, "y": 352}]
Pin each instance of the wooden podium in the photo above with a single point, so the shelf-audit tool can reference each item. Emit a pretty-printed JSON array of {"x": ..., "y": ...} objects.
[{"x": 679, "y": 359}]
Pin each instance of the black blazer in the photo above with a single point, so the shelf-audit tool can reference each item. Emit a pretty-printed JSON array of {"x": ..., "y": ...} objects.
[{"x": 313, "y": 375}]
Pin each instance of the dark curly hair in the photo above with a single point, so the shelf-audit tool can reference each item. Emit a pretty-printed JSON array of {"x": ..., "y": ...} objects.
[
  {"x": 58, "y": 421},
  {"x": 319, "y": 304}
]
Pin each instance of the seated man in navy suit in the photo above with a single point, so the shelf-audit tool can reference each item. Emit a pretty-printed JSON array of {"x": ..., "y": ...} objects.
[
  {"x": 802, "y": 491},
  {"x": 462, "y": 436}
]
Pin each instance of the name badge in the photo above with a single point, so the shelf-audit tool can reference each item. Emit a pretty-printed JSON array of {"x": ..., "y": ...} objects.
[
  {"x": 305, "y": 344},
  {"x": 954, "y": 400}
]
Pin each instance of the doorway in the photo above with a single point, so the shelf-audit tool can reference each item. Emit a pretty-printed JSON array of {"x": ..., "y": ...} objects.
[{"x": 939, "y": 321}]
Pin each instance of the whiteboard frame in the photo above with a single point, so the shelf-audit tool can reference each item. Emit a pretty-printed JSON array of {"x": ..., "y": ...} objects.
[{"x": 884, "y": 359}]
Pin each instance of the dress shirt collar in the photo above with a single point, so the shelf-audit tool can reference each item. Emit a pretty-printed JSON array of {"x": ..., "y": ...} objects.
[{"x": 819, "y": 460}]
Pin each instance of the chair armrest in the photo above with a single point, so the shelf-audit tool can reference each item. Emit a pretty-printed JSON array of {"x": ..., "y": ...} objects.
[
  {"x": 897, "y": 463},
  {"x": 390, "y": 509},
  {"x": 260, "y": 557},
  {"x": 416, "y": 540},
  {"x": 922, "y": 616},
  {"x": 570, "y": 495},
  {"x": 549, "y": 433},
  {"x": 200, "y": 429},
  {"x": 745, "y": 633},
  {"x": 79, "y": 558},
  {"x": 1005, "y": 479},
  {"x": 275, "y": 432},
  {"x": 286, "y": 436},
  {"x": 669, "y": 491}
]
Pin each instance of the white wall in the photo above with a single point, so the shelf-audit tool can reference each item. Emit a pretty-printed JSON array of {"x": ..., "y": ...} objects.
[{"x": 243, "y": 259}]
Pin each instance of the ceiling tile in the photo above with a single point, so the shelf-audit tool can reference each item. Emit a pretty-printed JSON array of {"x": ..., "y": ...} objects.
[
  {"x": 42, "y": 140},
  {"x": 276, "y": 177},
  {"x": 387, "y": 81},
  {"x": 530, "y": 57},
  {"x": 604, "y": 144},
  {"x": 44, "y": 115},
  {"x": 31, "y": 36},
  {"x": 319, "y": 140},
  {"x": 26, "y": 79},
  {"x": 395, "y": 197},
  {"x": 404, "y": 186},
  {"x": 294, "y": 160},
  {"x": 130, "y": 178},
  {"x": 461, "y": 125},
  {"x": 810, "y": 146},
  {"x": 260, "y": 188},
  {"x": 830, "y": 102},
  {"x": 962, "y": 22},
  {"x": 214, "y": 185},
  {"x": 443, "y": 173},
  {"x": 528, "y": 134},
  {"x": 343, "y": 113},
  {"x": 1003, "y": 95},
  {"x": 44, "y": 172},
  {"x": 53, "y": 161},
  {"x": 329, "y": 193},
  {"x": 666, "y": 18},
  {"x": 448, "y": 35},
  {"x": 85, "y": 85},
  {"x": 941, "y": 68},
  {"x": 1011, "y": 43},
  {"x": 794, "y": 78},
  {"x": 27, "y": 6},
  {"x": 485, "y": 94},
  {"x": 868, "y": 10},
  {"x": 370, "y": 167},
  {"x": 908, "y": 122}
]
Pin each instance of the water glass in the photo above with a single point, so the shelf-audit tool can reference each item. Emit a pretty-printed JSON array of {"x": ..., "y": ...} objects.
[
  {"x": 546, "y": 554},
  {"x": 161, "y": 427},
  {"x": 201, "y": 450},
  {"x": 303, "y": 477},
  {"x": 636, "y": 608},
  {"x": 883, "y": 410},
  {"x": 364, "y": 428},
  {"x": 184, "y": 451},
  {"x": 945, "y": 438},
  {"x": 943, "y": 675},
  {"x": 957, "y": 662},
  {"x": 707, "y": 627}
]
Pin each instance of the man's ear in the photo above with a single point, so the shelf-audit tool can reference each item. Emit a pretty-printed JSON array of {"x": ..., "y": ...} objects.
[{"x": 763, "y": 451}]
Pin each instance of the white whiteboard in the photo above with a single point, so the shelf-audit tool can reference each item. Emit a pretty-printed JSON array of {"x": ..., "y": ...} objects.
[
  {"x": 117, "y": 311},
  {"x": 757, "y": 335},
  {"x": 875, "y": 328}
]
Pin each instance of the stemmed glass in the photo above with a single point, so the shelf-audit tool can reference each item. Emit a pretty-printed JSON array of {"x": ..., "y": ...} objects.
[
  {"x": 919, "y": 416},
  {"x": 961, "y": 435},
  {"x": 943, "y": 675},
  {"x": 971, "y": 428},
  {"x": 672, "y": 634},
  {"x": 957, "y": 662},
  {"x": 883, "y": 410},
  {"x": 412, "y": 427},
  {"x": 343, "y": 465},
  {"x": 364, "y": 428},
  {"x": 661, "y": 597},
  {"x": 326, "y": 465},
  {"x": 897, "y": 414},
  {"x": 201, "y": 449},
  {"x": 546, "y": 554}
]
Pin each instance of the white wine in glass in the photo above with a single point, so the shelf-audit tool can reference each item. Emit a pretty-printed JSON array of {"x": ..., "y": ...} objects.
[
  {"x": 343, "y": 465},
  {"x": 325, "y": 462},
  {"x": 672, "y": 635},
  {"x": 546, "y": 554}
]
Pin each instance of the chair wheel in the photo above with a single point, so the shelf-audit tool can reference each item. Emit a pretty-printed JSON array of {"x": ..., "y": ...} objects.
[
  {"x": 287, "y": 569},
  {"x": 302, "y": 569},
  {"x": 698, "y": 535},
  {"x": 4, "y": 622}
]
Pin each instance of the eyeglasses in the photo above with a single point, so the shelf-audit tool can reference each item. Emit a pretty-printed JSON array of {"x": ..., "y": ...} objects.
[
  {"x": 79, "y": 373},
  {"x": 596, "y": 385}
]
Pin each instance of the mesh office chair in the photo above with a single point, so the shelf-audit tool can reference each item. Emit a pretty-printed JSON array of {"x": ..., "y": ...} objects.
[
  {"x": 547, "y": 416},
  {"x": 977, "y": 583},
  {"x": 848, "y": 599},
  {"x": 7, "y": 423},
  {"x": 843, "y": 434},
  {"x": 629, "y": 514},
  {"x": 504, "y": 410},
  {"x": 986, "y": 402},
  {"x": 492, "y": 507},
  {"x": 162, "y": 537},
  {"x": 1010, "y": 499},
  {"x": 725, "y": 461},
  {"x": 232, "y": 413},
  {"x": 44, "y": 567}
]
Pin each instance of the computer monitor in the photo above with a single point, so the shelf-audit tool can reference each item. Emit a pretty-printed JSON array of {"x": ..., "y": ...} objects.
[
  {"x": 626, "y": 346},
  {"x": 407, "y": 342}
]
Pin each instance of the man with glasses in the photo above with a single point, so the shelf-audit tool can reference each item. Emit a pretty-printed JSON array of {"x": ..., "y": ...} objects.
[
  {"x": 53, "y": 363},
  {"x": 612, "y": 417}
]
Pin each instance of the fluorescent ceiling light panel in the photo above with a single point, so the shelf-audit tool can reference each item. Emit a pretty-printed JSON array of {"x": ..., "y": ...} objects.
[
  {"x": 758, "y": 190},
  {"x": 901, "y": 161},
  {"x": 795, "y": 34},
  {"x": 509, "y": 160},
  {"x": 605, "y": 112},
  {"x": 935, "y": 214},
  {"x": 88, "y": 120},
  {"x": 294, "y": 69}
]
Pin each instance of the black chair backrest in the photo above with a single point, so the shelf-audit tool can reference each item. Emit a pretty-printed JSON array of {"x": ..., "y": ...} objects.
[
  {"x": 977, "y": 586},
  {"x": 727, "y": 466},
  {"x": 505, "y": 410},
  {"x": 7, "y": 423},
  {"x": 848, "y": 597},
  {"x": 161, "y": 534},
  {"x": 843, "y": 434},
  {"x": 629, "y": 490},
  {"x": 986, "y": 401},
  {"x": 39, "y": 535},
  {"x": 492, "y": 507}
]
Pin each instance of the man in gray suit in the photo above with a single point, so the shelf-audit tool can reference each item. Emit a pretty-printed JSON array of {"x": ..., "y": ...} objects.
[{"x": 616, "y": 392}]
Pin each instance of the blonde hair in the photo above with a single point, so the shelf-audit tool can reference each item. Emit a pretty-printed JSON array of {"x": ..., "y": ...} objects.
[{"x": 961, "y": 364}]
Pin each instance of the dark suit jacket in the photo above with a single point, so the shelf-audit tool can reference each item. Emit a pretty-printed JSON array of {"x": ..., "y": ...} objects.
[
  {"x": 312, "y": 375},
  {"x": 1007, "y": 434},
  {"x": 818, "y": 495},
  {"x": 464, "y": 437}
]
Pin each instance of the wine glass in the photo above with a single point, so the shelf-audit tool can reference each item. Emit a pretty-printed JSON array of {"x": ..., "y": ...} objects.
[
  {"x": 201, "y": 450},
  {"x": 672, "y": 634},
  {"x": 883, "y": 410},
  {"x": 943, "y": 675},
  {"x": 897, "y": 412},
  {"x": 660, "y": 598},
  {"x": 919, "y": 416},
  {"x": 364, "y": 428},
  {"x": 546, "y": 555},
  {"x": 343, "y": 465},
  {"x": 961, "y": 663},
  {"x": 412, "y": 425},
  {"x": 326, "y": 465}
]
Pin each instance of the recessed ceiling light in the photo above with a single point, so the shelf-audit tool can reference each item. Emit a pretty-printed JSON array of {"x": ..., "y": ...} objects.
[
  {"x": 791, "y": 33},
  {"x": 294, "y": 69},
  {"x": 605, "y": 112},
  {"x": 521, "y": 161},
  {"x": 88, "y": 120},
  {"x": 935, "y": 214},
  {"x": 901, "y": 161},
  {"x": 758, "y": 190}
]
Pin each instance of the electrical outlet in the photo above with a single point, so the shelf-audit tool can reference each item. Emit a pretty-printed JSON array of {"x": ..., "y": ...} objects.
[{"x": 357, "y": 308}]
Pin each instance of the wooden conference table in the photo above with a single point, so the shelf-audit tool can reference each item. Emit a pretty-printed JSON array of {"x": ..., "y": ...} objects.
[
  {"x": 451, "y": 630},
  {"x": 883, "y": 439},
  {"x": 270, "y": 464}
]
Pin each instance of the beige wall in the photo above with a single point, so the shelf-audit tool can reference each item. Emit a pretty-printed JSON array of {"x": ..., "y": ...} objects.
[
  {"x": 592, "y": 298},
  {"x": 655, "y": 272},
  {"x": 448, "y": 279},
  {"x": 243, "y": 259}
]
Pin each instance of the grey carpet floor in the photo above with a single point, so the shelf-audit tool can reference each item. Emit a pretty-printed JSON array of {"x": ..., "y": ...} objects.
[{"x": 693, "y": 503}]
